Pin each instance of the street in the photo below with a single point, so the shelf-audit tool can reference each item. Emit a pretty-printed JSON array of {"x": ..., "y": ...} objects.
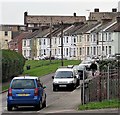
[
  {"x": 60, "y": 101},
  {"x": 57, "y": 102}
]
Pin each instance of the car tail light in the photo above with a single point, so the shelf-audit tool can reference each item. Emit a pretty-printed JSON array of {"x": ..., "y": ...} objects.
[
  {"x": 36, "y": 92},
  {"x": 10, "y": 92}
]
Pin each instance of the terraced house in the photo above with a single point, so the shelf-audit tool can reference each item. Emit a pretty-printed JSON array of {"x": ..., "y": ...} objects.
[{"x": 43, "y": 36}]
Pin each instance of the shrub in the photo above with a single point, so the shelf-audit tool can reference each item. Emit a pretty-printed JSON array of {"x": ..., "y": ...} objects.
[{"x": 12, "y": 64}]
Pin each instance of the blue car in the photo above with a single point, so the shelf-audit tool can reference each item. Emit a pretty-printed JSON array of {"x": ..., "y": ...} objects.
[{"x": 26, "y": 91}]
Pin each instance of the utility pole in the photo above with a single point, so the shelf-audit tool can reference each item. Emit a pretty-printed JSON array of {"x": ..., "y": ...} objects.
[
  {"x": 50, "y": 38},
  {"x": 62, "y": 43},
  {"x": 102, "y": 45}
]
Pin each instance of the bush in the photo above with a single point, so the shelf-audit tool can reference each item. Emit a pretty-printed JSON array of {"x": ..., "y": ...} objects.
[
  {"x": 112, "y": 63},
  {"x": 12, "y": 64}
]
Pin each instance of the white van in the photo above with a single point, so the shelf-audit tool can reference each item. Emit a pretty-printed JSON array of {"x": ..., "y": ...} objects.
[{"x": 65, "y": 77}]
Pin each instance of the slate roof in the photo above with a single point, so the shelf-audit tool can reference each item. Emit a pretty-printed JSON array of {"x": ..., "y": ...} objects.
[
  {"x": 55, "y": 19},
  {"x": 86, "y": 27},
  {"x": 114, "y": 28},
  {"x": 103, "y": 26},
  {"x": 102, "y": 15}
]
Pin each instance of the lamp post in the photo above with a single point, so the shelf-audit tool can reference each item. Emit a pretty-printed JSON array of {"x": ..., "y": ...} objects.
[
  {"x": 62, "y": 43},
  {"x": 50, "y": 38}
]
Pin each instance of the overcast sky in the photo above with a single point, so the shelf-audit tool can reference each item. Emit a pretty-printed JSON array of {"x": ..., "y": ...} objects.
[{"x": 12, "y": 11}]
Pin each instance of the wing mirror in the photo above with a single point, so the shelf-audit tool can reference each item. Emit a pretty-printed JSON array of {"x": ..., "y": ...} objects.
[{"x": 52, "y": 77}]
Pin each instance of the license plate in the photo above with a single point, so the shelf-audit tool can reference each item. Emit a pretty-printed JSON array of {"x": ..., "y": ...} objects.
[
  {"x": 23, "y": 94},
  {"x": 62, "y": 85}
]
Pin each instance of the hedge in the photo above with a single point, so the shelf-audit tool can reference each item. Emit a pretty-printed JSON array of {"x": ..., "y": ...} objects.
[
  {"x": 12, "y": 64},
  {"x": 112, "y": 63}
]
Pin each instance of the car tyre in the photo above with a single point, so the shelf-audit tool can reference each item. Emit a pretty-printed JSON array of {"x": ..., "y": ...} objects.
[
  {"x": 9, "y": 108},
  {"x": 55, "y": 89},
  {"x": 39, "y": 106},
  {"x": 44, "y": 103}
]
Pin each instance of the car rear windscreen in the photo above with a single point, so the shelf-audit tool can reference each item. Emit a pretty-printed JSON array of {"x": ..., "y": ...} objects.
[{"x": 23, "y": 84}]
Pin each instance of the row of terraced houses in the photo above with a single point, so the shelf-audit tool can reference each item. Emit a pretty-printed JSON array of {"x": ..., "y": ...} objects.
[{"x": 40, "y": 35}]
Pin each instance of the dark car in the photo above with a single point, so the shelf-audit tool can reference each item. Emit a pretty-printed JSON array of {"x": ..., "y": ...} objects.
[
  {"x": 81, "y": 69},
  {"x": 26, "y": 91}
]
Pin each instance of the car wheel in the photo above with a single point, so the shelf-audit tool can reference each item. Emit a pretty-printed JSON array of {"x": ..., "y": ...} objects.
[
  {"x": 44, "y": 103},
  {"x": 9, "y": 108},
  {"x": 55, "y": 89},
  {"x": 39, "y": 106}
]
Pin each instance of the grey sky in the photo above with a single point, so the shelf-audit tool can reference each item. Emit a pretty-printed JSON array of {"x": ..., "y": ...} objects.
[{"x": 12, "y": 11}]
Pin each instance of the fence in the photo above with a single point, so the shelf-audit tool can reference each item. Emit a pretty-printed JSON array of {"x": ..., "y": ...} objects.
[{"x": 102, "y": 87}]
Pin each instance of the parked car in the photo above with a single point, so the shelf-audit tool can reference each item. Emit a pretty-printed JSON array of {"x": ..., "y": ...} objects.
[
  {"x": 65, "y": 77},
  {"x": 111, "y": 57},
  {"x": 82, "y": 68},
  {"x": 26, "y": 91},
  {"x": 86, "y": 63}
]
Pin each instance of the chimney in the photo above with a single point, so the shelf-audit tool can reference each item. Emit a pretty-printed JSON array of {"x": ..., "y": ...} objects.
[
  {"x": 74, "y": 14},
  {"x": 25, "y": 13},
  {"x": 118, "y": 19},
  {"x": 114, "y": 10},
  {"x": 96, "y": 10}
]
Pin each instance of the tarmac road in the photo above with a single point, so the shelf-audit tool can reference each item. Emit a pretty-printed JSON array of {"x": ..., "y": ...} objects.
[{"x": 56, "y": 101}]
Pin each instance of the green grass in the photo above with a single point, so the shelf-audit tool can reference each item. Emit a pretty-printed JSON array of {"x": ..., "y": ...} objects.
[
  {"x": 100, "y": 105},
  {"x": 43, "y": 67},
  {"x": 5, "y": 87}
]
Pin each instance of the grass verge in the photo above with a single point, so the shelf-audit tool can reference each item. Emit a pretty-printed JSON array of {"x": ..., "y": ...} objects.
[
  {"x": 42, "y": 67},
  {"x": 100, "y": 105}
]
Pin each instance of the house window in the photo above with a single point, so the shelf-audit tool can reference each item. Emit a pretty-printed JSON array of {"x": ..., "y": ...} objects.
[
  {"x": 44, "y": 52},
  {"x": 103, "y": 48},
  {"x": 55, "y": 51},
  {"x": 59, "y": 40},
  {"x": 109, "y": 37},
  {"x": 66, "y": 39},
  {"x": 106, "y": 36},
  {"x": 25, "y": 53},
  {"x": 67, "y": 51},
  {"x": 30, "y": 42},
  {"x": 77, "y": 51},
  {"x": 59, "y": 51},
  {"x": 44, "y": 42},
  {"x": 88, "y": 38},
  {"x": 87, "y": 50},
  {"x": 91, "y": 38},
  {"x": 74, "y": 40},
  {"x": 39, "y": 42},
  {"x": 24, "y": 42},
  {"x": 80, "y": 38},
  {"x": 74, "y": 52},
  {"x": 80, "y": 51},
  {"x": 29, "y": 53},
  {"x": 6, "y": 33},
  {"x": 91, "y": 50},
  {"x": 55, "y": 41},
  {"x": 94, "y": 50},
  {"x": 109, "y": 49},
  {"x": 94, "y": 38},
  {"x": 106, "y": 50}
]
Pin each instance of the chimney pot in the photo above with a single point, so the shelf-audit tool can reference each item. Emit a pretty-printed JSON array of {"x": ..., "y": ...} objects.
[
  {"x": 74, "y": 14},
  {"x": 96, "y": 10},
  {"x": 114, "y": 10}
]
